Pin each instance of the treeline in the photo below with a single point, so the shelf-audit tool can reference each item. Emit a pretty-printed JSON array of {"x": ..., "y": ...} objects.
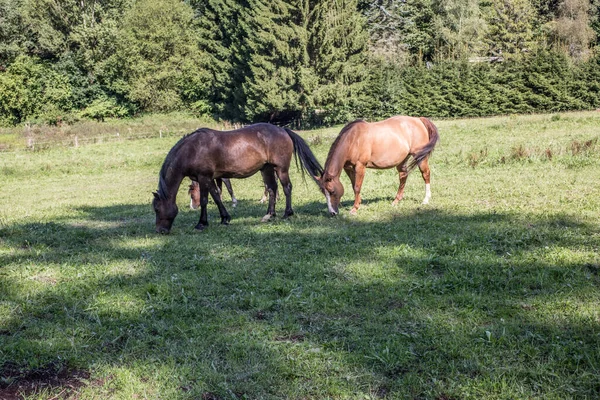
[{"x": 318, "y": 61}]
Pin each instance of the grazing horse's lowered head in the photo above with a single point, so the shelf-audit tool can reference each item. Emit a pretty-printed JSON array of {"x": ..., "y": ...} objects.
[
  {"x": 333, "y": 190},
  {"x": 166, "y": 211}
]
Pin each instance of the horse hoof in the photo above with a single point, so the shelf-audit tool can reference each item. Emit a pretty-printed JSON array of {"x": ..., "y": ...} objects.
[
  {"x": 394, "y": 203},
  {"x": 288, "y": 214},
  {"x": 425, "y": 202},
  {"x": 266, "y": 218},
  {"x": 200, "y": 227},
  {"x": 353, "y": 211},
  {"x": 225, "y": 221}
]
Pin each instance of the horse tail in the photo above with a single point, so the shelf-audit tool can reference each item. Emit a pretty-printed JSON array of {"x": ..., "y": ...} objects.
[
  {"x": 428, "y": 148},
  {"x": 309, "y": 162}
]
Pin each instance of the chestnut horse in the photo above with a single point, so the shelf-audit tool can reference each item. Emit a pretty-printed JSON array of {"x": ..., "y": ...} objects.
[
  {"x": 207, "y": 154},
  {"x": 380, "y": 145},
  {"x": 194, "y": 192}
]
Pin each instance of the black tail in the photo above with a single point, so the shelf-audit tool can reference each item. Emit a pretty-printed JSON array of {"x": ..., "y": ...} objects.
[
  {"x": 428, "y": 149},
  {"x": 308, "y": 159}
]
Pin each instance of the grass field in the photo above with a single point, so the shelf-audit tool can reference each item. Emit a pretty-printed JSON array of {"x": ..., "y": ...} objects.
[{"x": 490, "y": 292}]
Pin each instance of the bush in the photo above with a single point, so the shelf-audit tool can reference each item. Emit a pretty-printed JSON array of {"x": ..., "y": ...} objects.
[{"x": 103, "y": 108}]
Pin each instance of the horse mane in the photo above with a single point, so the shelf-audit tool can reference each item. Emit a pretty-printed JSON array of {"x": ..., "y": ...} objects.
[
  {"x": 337, "y": 140},
  {"x": 163, "y": 190}
]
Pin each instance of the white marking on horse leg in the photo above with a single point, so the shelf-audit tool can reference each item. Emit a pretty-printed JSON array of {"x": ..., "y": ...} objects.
[
  {"x": 234, "y": 201},
  {"x": 192, "y": 204},
  {"x": 427, "y": 193}
]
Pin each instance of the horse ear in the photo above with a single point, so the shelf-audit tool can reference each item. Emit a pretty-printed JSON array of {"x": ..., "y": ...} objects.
[
  {"x": 317, "y": 178},
  {"x": 155, "y": 195}
]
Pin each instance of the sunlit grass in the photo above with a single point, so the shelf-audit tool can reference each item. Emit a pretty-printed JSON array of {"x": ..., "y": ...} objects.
[{"x": 491, "y": 291}]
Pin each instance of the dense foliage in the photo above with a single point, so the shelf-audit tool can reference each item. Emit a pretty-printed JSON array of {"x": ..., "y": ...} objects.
[{"x": 321, "y": 61}]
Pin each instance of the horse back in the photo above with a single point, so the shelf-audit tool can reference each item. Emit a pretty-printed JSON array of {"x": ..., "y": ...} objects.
[
  {"x": 387, "y": 143},
  {"x": 239, "y": 153}
]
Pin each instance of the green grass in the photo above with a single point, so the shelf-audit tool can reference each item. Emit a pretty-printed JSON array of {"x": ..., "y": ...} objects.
[{"x": 490, "y": 292}]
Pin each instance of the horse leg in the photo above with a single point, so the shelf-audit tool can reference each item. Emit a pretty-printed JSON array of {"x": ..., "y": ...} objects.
[
  {"x": 403, "y": 174},
  {"x": 268, "y": 175},
  {"x": 219, "y": 183},
  {"x": 359, "y": 175},
  {"x": 286, "y": 185},
  {"x": 204, "y": 187},
  {"x": 216, "y": 195},
  {"x": 426, "y": 173},
  {"x": 227, "y": 183},
  {"x": 265, "y": 195}
]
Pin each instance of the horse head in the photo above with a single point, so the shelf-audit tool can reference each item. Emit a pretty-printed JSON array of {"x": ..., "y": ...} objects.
[
  {"x": 333, "y": 190},
  {"x": 166, "y": 211},
  {"x": 194, "y": 193}
]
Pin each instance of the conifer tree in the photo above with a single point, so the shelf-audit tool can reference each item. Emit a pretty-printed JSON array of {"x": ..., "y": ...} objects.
[
  {"x": 511, "y": 27},
  {"x": 221, "y": 39},
  {"x": 271, "y": 87},
  {"x": 337, "y": 48}
]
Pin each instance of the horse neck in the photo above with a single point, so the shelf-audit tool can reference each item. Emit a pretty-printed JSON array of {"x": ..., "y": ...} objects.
[
  {"x": 338, "y": 156},
  {"x": 170, "y": 182}
]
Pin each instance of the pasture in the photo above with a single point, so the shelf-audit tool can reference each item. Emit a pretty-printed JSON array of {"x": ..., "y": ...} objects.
[{"x": 489, "y": 292}]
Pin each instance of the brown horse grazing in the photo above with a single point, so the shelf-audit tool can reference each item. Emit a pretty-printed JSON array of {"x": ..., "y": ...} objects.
[
  {"x": 381, "y": 145},
  {"x": 206, "y": 155},
  {"x": 194, "y": 192}
]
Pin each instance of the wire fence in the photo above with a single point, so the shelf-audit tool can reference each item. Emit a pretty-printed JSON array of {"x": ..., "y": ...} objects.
[
  {"x": 30, "y": 142},
  {"x": 38, "y": 144}
]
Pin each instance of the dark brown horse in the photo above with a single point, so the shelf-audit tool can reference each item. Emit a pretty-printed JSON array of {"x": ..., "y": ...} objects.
[
  {"x": 206, "y": 155},
  {"x": 381, "y": 145}
]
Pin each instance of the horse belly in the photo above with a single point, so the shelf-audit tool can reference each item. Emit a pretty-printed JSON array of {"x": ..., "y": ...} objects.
[
  {"x": 387, "y": 154},
  {"x": 240, "y": 164}
]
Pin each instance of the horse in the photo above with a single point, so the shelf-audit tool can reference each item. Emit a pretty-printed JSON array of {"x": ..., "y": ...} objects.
[
  {"x": 194, "y": 192},
  {"x": 206, "y": 154},
  {"x": 380, "y": 145}
]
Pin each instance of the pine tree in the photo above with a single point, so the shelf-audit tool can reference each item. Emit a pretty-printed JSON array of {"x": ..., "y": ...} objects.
[
  {"x": 511, "y": 27},
  {"x": 337, "y": 48},
  {"x": 221, "y": 38},
  {"x": 273, "y": 57}
]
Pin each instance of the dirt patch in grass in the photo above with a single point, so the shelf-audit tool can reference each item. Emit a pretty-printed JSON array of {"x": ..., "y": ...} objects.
[{"x": 58, "y": 380}]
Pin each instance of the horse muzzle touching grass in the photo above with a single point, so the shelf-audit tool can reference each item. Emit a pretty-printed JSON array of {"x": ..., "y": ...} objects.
[
  {"x": 165, "y": 214},
  {"x": 333, "y": 191}
]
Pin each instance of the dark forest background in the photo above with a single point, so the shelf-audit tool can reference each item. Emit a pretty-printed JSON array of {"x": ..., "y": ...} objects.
[{"x": 309, "y": 61}]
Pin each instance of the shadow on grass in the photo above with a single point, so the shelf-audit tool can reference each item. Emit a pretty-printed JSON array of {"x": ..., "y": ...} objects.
[{"x": 422, "y": 303}]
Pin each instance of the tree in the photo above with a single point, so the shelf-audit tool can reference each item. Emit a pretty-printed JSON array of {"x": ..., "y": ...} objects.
[
  {"x": 337, "y": 50},
  {"x": 511, "y": 27},
  {"x": 12, "y": 38},
  {"x": 271, "y": 85},
  {"x": 221, "y": 38},
  {"x": 156, "y": 52},
  {"x": 460, "y": 27},
  {"x": 572, "y": 28}
]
